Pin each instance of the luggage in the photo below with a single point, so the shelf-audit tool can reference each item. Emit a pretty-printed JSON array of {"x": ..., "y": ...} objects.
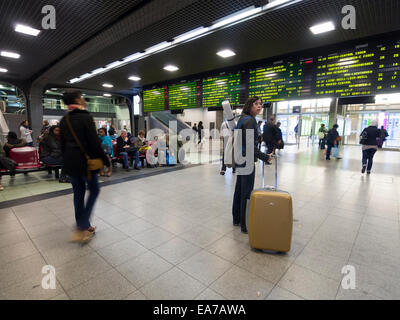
[
  {"x": 335, "y": 152},
  {"x": 270, "y": 218},
  {"x": 170, "y": 159}
]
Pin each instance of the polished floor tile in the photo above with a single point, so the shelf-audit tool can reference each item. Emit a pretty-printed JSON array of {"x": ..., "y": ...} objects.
[{"x": 170, "y": 236}]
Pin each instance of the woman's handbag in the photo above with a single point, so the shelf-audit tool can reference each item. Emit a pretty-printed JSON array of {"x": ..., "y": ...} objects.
[{"x": 92, "y": 164}]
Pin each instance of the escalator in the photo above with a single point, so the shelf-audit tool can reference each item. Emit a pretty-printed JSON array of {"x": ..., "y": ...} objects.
[{"x": 165, "y": 117}]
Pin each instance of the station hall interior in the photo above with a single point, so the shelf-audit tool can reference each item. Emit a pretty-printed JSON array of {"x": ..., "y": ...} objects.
[{"x": 164, "y": 228}]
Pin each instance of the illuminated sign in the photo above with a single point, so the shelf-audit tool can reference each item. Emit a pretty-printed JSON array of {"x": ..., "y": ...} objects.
[
  {"x": 218, "y": 89},
  {"x": 388, "y": 63},
  {"x": 153, "y": 100},
  {"x": 280, "y": 81},
  {"x": 182, "y": 96},
  {"x": 347, "y": 74}
]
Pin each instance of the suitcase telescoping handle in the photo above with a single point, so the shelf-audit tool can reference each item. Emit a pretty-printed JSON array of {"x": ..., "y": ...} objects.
[{"x": 276, "y": 174}]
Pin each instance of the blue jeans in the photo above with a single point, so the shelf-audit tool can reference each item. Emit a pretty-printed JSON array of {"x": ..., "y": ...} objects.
[
  {"x": 125, "y": 158},
  {"x": 368, "y": 157},
  {"x": 243, "y": 189},
  {"x": 82, "y": 212}
]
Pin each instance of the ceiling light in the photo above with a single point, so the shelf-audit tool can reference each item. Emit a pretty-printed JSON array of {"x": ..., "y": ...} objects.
[
  {"x": 190, "y": 35},
  {"x": 99, "y": 70},
  {"x": 108, "y": 85},
  {"x": 240, "y": 16},
  {"x": 10, "y": 54},
  {"x": 157, "y": 47},
  {"x": 171, "y": 68},
  {"x": 323, "y": 27},
  {"x": 26, "y": 30},
  {"x": 274, "y": 4},
  {"x": 226, "y": 53},
  {"x": 134, "y": 78},
  {"x": 133, "y": 57},
  {"x": 74, "y": 80},
  {"x": 107, "y": 95},
  {"x": 3, "y": 70},
  {"x": 114, "y": 64},
  {"x": 236, "y": 17}
]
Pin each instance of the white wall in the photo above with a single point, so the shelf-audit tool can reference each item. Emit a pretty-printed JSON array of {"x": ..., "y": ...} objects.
[{"x": 197, "y": 115}]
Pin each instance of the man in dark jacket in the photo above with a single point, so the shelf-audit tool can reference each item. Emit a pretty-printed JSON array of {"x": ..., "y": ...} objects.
[
  {"x": 13, "y": 142},
  {"x": 271, "y": 135},
  {"x": 126, "y": 148},
  {"x": 75, "y": 162},
  {"x": 331, "y": 140},
  {"x": 369, "y": 140}
]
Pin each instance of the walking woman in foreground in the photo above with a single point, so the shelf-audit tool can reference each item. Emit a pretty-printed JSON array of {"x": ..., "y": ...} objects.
[
  {"x": 81, "y": 146},
  {"x": 245, "y": 183}
]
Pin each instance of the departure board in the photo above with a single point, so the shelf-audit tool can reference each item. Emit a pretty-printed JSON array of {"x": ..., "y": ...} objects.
[
  {"x": 388, "y": 62},
  {"x": 153, "y": 100},
  {"x": 218, "y": 89},
  {"x": 182, "y": 96},
  {"x": 347, "y": 74},
  {"x": 280, "y": 81}
]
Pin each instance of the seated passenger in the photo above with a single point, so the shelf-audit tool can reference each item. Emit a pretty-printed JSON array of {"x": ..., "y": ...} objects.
[
  {"x": 13, "y": 142},
  {"x": 51, "y": 153},
  {"x": 106, "y": 144},
  {"x": 112, "y": 133},
  {"x": 125, "y": 148},
  {"x": 6, "y": 164},
  {"x": 143, "y": 146}
]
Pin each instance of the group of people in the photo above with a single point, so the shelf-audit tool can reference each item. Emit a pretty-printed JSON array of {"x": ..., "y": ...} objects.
[{"x": 198, "y": 132}]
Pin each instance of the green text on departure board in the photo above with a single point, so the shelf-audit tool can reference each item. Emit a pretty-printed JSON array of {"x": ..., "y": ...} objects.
[
  {"x": 347, "y": 74},
  {"x": 388, "y": 64},
  {"x": 278, "y": 82},
  {"x": 182, "y": 96},
  {"x": 218, "y": 89},
  {"x": 153, "y": 100}
]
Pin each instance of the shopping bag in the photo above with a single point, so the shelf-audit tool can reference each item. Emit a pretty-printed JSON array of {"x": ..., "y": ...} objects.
[{"x": 335, "y": 152}]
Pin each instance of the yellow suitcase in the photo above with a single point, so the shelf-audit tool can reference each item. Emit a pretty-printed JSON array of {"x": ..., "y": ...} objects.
[{"x": 270, "y": 220}]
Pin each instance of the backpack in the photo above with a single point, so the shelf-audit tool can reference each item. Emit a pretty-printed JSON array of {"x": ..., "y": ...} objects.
[
  {"x": 229, "y": 148},
  {"x": 364, "y": 137}
]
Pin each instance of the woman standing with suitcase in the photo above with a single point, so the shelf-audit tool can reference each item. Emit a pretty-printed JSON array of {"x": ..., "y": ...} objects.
[{"x": 245, "y": 182}]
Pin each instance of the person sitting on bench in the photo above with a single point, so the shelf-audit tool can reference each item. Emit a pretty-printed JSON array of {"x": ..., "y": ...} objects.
[{"x": 51, "y": 153}]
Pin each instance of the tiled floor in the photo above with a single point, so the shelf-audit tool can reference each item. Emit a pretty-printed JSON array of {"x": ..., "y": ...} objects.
[{"x": 170, "y": 236}]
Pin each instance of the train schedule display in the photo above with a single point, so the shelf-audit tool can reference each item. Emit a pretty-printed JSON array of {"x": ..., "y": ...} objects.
[
  {"x": 221, "y": 88},
  {"x": 281, "y": 81},
  {"x": 346, "y": 74},
  {"x": 154, "y": 100},
  {"x": 182, "y": 96}
]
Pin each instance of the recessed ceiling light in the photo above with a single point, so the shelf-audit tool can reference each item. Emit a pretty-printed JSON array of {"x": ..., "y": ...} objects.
[
  {"x": 3, "y": 70},
  {"x": 26, "y": 30},
  {"x": 171, "y": 68},
  {"x": 10, "y": 54},
  {"x": 108, "y": 85},
  {"x": 226, "y": 53},
  {"x": 134, "y": 78},
  {"x": 107, "y": 95},
  {"x": 323, "y": 27}
]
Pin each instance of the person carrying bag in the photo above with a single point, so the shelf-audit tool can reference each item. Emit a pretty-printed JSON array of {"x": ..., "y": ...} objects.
[
  {"x": 92, "y": 164},
  {"x": 83, "y": 158}
]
